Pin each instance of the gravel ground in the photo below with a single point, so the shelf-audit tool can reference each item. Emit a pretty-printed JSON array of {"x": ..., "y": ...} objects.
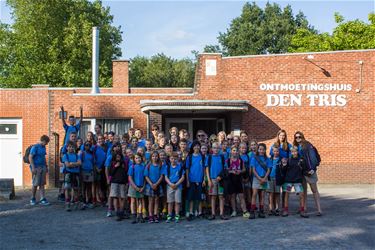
[{"x": 348, "y": 223}]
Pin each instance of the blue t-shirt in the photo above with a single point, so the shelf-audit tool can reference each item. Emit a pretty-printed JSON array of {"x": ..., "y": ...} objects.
[
  {"x": 100, "y": 156},
  {"x": 174, "y": 173},
  {"x": 283, "y": 153},
  {"x": 274, "y": 164},
  {"x": 141, "y": 143},
  {"x": 216, "y": 165},
  {"x": 258, "y": 168},
  {"x": 153, "y": 173},
  {"x": 246, "y": 160},
  {"x": 137, "y": 172},
  {"x": 87, "y": 159},
  {"x": 108, "y": 161},
  {"x": 148, "y": 156},
  {"x": 71, "y": 157},
  {"x": 69, "y": 129},
  {"x": 39, "y": 155},
  {"x": 197, "y": 167}
]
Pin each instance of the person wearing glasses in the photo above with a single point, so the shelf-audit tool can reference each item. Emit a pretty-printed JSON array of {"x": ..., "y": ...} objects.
[
  {"x": 154, "y": 131},
  {"x": 312, "y": 158},
  {"x": 73, "y": 126}
]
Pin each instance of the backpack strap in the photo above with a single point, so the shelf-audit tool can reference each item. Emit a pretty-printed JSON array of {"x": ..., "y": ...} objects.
[{"x": 261, "y": 163}]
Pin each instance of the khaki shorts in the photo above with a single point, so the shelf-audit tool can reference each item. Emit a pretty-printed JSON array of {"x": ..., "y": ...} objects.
[
  {"x": 287, "y": 187},
  {"x": 133, "y": 193},
  {"x": 173, "y": 195},
  {"x": 87, "y": 176},
  {"x": 118, "y": 190},
  {"x": 272, "y": 187},
  {"x": 39, "y": 178},
  {"x": 216, "y": 188},
  {"x": 312, "y": 179},
  {"x": 257, "y": 185}
]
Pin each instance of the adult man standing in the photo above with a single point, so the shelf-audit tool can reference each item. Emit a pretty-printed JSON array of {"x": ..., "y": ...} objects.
[
  {"x": 39, "y": 169},
  {"x": 73, "y": 125}
]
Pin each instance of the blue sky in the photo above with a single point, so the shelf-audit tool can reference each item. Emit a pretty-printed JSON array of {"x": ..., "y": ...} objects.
[{"x": 178, "y": 27}]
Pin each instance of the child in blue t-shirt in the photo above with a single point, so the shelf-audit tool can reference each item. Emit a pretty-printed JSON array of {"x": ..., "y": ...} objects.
[
  {"x": 148, "y": 146},
  {"x": 100, "y": 156},
  {"x": 225, "y": 149},
  {"x": 174, "y": 176},
  {"x": 273, "y": 187},
  {"x": 136, "y": 187},
  {"x": 87, "y": 159},
  {"x": 154, "y": 176},
  {"x": 72, "y": 164},
  {"x": 195, "y": 164},
  {"x": 215, "y": 168},
  {"x": 261, "y": 167}
]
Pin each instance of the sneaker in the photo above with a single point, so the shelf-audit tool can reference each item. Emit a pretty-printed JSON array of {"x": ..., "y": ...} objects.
[
  {"x": 190, "y": 217},
  {"x": 211, "y": 217},
  {"x": 141, "y": 220},
  {"x": 150, "y": 219},
  {"x": 285, "y": 213},
  {"x": 118, "y": 216},
  {"x": 223, "y": 217},
  {"x": 169, "y": 218},
  {"x": 277, "y": 212},
  {"x": 90, "y": 205},
  {"x": 134, "y": 221},
  {"x": 83, "y": 206},
  {"x": 200, "y": 216},
  {"x": 76, "y": 205},
  {"x": 252, "y": 215},
  {"x": 156, "y": 219},
  {"x": 270, "y": 212},
  {"x": 246, "y": 214},
  {"x": 261, "y": 214},
  {"x": 32, "y": 202},
  {"x": 44, "y": 202},
  {"x": 234, "y": 214},
  {"x": 304, "y": 214},
  {"x": 109, "y": 213},
  {"x": 67, "y": 207},
  {"x": 177, "y": 218}
]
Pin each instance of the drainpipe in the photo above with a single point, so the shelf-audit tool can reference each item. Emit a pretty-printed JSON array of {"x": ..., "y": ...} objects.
[{"x": 95, "y": 60}]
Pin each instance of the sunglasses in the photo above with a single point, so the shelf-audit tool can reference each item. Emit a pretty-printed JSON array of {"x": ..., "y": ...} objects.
[
  {"x": 200, "y": 135},
  {"x": 298, "y": 137},
  {"x": 155, "y": 129}
]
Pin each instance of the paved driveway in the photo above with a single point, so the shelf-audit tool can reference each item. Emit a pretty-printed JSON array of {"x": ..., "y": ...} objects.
[{"x": 348, "y": 223}]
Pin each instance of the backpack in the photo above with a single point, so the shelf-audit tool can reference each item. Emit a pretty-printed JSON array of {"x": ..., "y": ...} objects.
[
  {"x": 280, "y": 173},
  {"x": 262, "y": 164},
  {"x": 27, "y": 154},
  {"x": 148, "y": 166},
  {"x": 318, "y": 159}
]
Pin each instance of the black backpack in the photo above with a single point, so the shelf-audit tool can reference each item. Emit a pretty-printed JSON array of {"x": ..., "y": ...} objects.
[{"x": 27, "y": 154}]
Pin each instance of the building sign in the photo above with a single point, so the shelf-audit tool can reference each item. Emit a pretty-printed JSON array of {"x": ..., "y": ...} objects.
[{"x": 322, "y": 95}]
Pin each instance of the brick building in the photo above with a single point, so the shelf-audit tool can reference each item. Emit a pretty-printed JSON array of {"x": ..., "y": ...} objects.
[{"x": 329, "y": 96}]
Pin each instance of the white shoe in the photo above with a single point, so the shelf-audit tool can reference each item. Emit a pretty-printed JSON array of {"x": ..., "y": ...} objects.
[
  {"x": 109, "y": 213},
  {"x": 234, "y": 214}
]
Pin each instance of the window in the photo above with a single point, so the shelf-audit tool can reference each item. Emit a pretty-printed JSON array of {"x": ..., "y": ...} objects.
[
  {"x": 8, "y": 129},
  {"x": 119, "y": 126}
]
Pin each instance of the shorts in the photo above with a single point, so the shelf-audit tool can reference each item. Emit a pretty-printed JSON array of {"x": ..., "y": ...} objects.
[
  {"x": 312, "y": 179},
  {"x": 216, "y": 188},
  {"x": 87, "y": 176},
  {"x": 97, "y": 176},
  {"x": 152, "y": 193},
  {"x": 272, "y": 187},
  {"x": 287, "y": 187},
  {"x": 71, "y": 180},
  {"x": 132, "y": 193},
  {"x": 118, "y": 190},
  {"x": 257, "y": 185},
  {"x": 235, "y": 184},
  {"x": 39, "y": 178},
  {"x": 194, "y": 192},
  {"x": 173, "y": 195}
]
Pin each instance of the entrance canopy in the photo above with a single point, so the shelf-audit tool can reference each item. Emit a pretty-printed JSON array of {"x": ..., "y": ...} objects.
[{"x": 171, "y": 106}]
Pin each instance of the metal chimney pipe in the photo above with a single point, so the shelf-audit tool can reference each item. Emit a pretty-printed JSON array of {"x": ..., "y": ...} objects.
[{"x": 95, "y": 60}]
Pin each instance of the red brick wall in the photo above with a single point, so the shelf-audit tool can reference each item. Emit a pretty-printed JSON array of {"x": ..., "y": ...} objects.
[{"x": 343, "y": 135}]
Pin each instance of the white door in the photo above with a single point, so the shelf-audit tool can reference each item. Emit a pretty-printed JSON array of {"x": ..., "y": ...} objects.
[{"x": 11, "y": 150}]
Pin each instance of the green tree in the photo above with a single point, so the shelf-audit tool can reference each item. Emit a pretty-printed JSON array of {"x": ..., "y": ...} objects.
[
  {"x": 258, "y": 31},
  {"x": 50, "y": 43},
  {"x": 161, "y": 71},
  {"x": 348, "y": 35}
]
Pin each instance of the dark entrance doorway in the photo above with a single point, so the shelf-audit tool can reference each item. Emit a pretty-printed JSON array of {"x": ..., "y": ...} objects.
[{"x": 208, "y": 126}]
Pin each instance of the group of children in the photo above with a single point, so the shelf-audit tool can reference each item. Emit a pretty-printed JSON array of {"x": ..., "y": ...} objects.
[{"x": 169, "y": 178}]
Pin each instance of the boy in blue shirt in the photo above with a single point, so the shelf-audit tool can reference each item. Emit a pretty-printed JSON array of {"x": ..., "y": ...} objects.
[
  {"x": 136, "y": 187},
  {"x": 100, "y": 156},
  {"x": 195, "y": 164},
  {"x": 72, "y": 164},
  {"x": 73, "y": 126},
  {"x": 87, "y": 159},
  {"x": 174, "y": 176},
  {"x": 215, "y": 168},
  {"x": 38, "y": 167}
]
